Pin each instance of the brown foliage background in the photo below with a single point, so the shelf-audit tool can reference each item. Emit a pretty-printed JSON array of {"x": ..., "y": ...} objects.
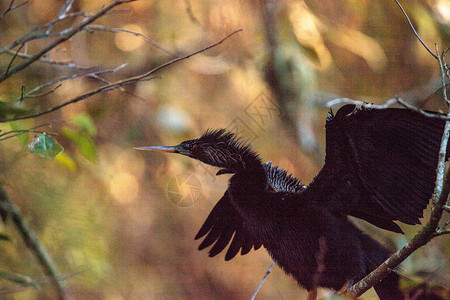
[{"x": 103, "y": 210}]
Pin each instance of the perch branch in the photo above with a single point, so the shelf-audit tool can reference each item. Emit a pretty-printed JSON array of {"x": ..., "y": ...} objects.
[{"x": 439, "y": 198}]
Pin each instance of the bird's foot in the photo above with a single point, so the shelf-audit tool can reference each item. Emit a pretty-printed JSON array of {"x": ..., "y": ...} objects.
[{"x": 348, "y": 284}]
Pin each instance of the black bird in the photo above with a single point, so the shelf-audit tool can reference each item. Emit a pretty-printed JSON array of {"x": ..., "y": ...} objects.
[{"x": 379, "y": 167}]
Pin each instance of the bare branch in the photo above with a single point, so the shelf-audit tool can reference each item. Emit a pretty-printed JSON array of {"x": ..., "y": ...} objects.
[
  {"x": 43, "y": 59},
  {"x": 446, "y": 208},
  {"x": 14, "y": 57},
  {"x": 71, "y": 32},
  {"x": 65, "y": 8},
  {"x": 262, "y": 280},
  {"x": 14, "y": 133},
  {"x": 37, "y": 33},
  {"x": 387, "y": 104},
  {"x": 31, "y": 241},
  {"x": 40, "y": 94},
  {"x": 127, "y": 81},
  {"x": 414, "y": 30},
  {"x": 422, "y": 238},
  {"x": 441, "y": 232},
  {"x": 32, "y": 93},
  {"x": 191, "y": 13},
  {"x": 439, "y": 198},
  {"x": 62, "y": 13},
  {"x": 116, "y": 30},
  {"x": 11, "y": 8},
  {"x": 443, "y": 72}
]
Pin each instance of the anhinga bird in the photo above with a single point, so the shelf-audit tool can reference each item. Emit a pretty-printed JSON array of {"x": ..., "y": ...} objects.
[{"x": 379, "y": 167}]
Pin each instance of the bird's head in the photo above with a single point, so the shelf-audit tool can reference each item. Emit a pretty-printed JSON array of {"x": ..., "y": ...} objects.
[{"x": 217, "y": 148}]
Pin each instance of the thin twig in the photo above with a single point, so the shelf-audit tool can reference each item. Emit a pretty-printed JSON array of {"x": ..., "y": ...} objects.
[
  {"x": 447, "y": 223},
  {"x": 422, "y": 238},
  {"x": 62, "y": 13},
  {"x": 64, "y": 38},
  {"x": 65, "y": 8},
  {"x": 39, "y": 282},
  {"x": 11, "y": 8},
  {"x": 13, "y": 133},
  {"x": 123, "y": 90},
  {"x": 443, "y": 71},
  {"x": 446, "y": 208},
  {"x": 262, "y": 280},
  {"x": 117, "y": 30},
  {"x": 414, "y": 30},
  {"x": 127, "y": 81},
  {"x": 14, "y": 57},
  {"x": 387, "y": 104},
  {"x": 31, "y": 241},
  {"x": 32, "y": 93},
  {"x": 44, "y": 93},
  {"x": 190, "y": 13},
  {"x": 441, "y": 232},
  {"x": 41, "y": 32},
  {"x": 68, "y": 64},
  {"x": 439, "y": 199},
  {"x": 431, "y": 229}
]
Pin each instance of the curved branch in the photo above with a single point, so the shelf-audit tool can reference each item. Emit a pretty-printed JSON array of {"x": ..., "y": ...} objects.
[
  {"x": 64, "y": 38},
  {"x": 414, "y": 30},
  {"x": 31, "y": 241},
  {"x": 120, "y": 83}
]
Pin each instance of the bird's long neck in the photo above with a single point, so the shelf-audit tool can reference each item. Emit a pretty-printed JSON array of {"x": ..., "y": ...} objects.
[{"x": 233, "y": 157}]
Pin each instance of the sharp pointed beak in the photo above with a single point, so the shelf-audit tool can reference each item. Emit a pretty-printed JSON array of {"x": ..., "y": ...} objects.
[{"x": 170, "y": 149}]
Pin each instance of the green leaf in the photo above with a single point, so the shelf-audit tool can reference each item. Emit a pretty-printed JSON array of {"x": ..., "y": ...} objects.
[
  {"x": 10, "y": 110},
  {"x": 19, "y": 279},
  {"x": 83, "y": 141},
  {"x": 45, "y": 146},
  {"x": 85, "y": 122},
  {"x": 23, "y": 138},
  {"x": 4, "y": 237}
]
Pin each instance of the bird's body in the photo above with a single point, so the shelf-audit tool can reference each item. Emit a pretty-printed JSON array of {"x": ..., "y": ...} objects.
[{"x": 379, "y": 167}]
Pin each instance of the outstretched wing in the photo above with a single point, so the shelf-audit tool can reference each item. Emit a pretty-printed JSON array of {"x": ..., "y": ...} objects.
[
  {"x": 224, "y": 224},
  {"x": 380, "y": 164}
]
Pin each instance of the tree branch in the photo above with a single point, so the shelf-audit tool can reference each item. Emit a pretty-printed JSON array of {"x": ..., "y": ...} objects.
[
  {"x": 14, "y": 133},
  {"x": 422, "y": 238},
  {"x": 415, "y": 32},
  {"x": 446, "y": 208},
  {"x": 33, "y": 93},
  {"x": 127, "y": 81},
  {"x": 31, "y": 241},
  {"x": 439, "y": 199},
  {"x": 67, "y": 35},
  {"x": 117, "y": 30},
  {"x": 11, "y": 8},
  {"x": 387, "y": 104},
  {"x": 46, "y": 60},
  {"x": 262, "y": 281}
]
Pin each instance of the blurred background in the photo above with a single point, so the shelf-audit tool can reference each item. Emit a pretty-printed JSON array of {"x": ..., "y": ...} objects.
[{"x": 120, "y": 224}]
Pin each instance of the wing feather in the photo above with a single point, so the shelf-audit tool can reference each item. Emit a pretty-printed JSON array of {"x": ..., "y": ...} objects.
[
  {"x": 224, "y": 224},
  {"x": 379, "y": 161}
]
